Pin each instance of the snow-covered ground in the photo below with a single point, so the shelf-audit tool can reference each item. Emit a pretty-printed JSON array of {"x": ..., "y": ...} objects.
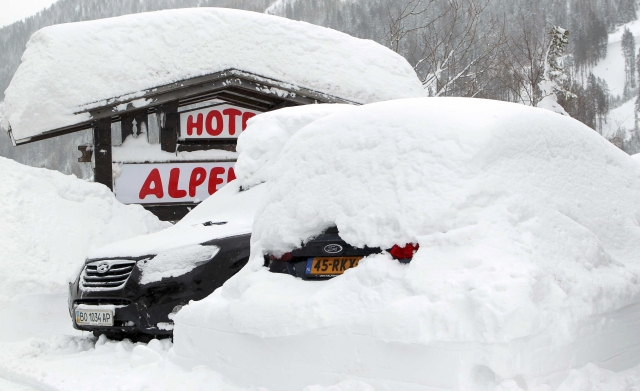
[
  {"x": 39, "y": 350},
  {"x": 620, "y": 121}
]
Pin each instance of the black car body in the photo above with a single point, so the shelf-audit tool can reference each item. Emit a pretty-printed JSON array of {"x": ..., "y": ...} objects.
[
  {"x": 110, "y": 296},
  {"x": 328, "y": 256},
  {"x": 146, "y": 309}
]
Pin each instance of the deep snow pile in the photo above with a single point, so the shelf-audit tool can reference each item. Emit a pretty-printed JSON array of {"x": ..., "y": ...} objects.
[
  {"x": 81, "y": 364},
  {"x": 266, "y": 135},
  {"x": 50, "y": 221},
  {"x": 72, "y": 67},
  {"x": 526, "y": 258}
]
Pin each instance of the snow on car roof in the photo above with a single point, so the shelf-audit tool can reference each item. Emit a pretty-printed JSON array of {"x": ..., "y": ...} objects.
[
  {"x": 266, "y": 134},
  {"x": 527, "y": 223},
  {"x": 76, "y": 66},
  {"x": 389, "y": 172}
]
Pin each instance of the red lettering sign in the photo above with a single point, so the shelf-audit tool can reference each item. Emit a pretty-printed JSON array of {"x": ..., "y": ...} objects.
[
  {"x": 155, "y": 180},
  {"x": 214, "y": 114},
  {"x": 174, "y": 179},
  {"x": 214, "y": 179},
  {"x": 197, "y": 125},
  {"x": 171, "y": 182},
  {"x": 220, "y": 121},
  {"x": 198, "y": 175}
]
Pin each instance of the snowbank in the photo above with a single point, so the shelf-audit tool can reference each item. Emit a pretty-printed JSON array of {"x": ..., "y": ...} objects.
[
  {"x": 72, "y": 67},
  {"x": 72, "y": 363},
  {"x": 266, "y": 134},
  {"x": 527, "y": 267},
  {"x": 50, "y": 221}
]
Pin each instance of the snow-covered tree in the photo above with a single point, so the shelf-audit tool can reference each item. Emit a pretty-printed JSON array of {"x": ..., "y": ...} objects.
[
  {"x": 629, "y": 53},
  {"x": 553, "y": 77}
]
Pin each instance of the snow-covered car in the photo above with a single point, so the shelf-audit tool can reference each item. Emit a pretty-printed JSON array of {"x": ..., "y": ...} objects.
[
  {"x": 527, "y": 268},
  {"x": 133, "y": 287}
]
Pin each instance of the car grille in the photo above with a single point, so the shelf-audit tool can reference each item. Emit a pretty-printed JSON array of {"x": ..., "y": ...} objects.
[{"x": 107, "y": 274}]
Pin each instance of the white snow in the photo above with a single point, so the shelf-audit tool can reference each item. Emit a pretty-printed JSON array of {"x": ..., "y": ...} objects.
[
  {"x": 620, "y": 121},
  {"x": 266, "y": 134},
  {"x": 83, "y": 364},
  {"x": 526, "y": 279},
  {"x": 550, "y": 102},
  {"x": 527, "y": 266},
  {"x": 72, "y": 67},
  {"x": 48, "y": 224},
  {"x": 175, "y": 262},
  {"x": 50, "y": 221}
]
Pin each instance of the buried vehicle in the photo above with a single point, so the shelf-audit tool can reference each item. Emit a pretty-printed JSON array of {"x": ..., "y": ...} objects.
[
  {"x": 134, "y": 287},
  {"x": 328, "y": 255},
  {"x": 527, "y": 268}
]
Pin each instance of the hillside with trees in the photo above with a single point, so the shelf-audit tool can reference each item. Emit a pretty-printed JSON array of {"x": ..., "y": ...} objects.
[{"x": 495, "y": 49}]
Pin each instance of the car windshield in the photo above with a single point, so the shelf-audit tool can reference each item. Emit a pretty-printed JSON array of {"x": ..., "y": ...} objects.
[{"x": 227, "y": 204}]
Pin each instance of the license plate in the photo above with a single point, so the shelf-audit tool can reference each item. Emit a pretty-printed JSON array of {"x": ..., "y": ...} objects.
[
  {"x": 330, "y": 266},
  {"x": 94, "y": 317}
]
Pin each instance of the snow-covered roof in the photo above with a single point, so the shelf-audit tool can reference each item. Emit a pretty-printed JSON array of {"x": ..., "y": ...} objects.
[{"x": 68, "y": 69}]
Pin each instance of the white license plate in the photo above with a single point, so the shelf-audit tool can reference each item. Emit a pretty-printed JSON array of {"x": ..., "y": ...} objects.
[{"x": 94, "y": 317}]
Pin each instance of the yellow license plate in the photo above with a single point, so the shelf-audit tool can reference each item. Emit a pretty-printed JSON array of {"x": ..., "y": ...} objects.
[{"x": 330, "y": 266}]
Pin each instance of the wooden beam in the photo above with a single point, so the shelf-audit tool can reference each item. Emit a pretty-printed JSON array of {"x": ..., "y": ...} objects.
[
  {"x": 169, "y": 122},
  {"x": 282, "y": 105},
  {"x": 102, "y": 172},
  {"x": 127, "y": 121},
  {"x": 260, "y": 89},
  {"x": 192, "y": 145}
]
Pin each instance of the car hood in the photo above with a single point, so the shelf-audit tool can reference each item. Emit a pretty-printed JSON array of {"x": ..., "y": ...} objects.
[
  {"x": 229, "y": 212},
  {"x": 168, "y": 239}
]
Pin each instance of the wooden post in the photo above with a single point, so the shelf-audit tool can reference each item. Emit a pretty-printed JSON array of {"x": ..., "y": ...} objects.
[
  {"x": 127, "y": 119},
  {"x": 102, "y": 172},
  {"x": 169, "y": 122}
]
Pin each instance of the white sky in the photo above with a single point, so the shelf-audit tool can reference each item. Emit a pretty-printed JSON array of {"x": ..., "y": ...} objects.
[{"x": 15, "y": 10}]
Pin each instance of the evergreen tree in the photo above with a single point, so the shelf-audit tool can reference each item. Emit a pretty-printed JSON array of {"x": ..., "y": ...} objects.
[
  {"x": 553, "y": 77},
  {"x": 627, "y": 10},
  {"x": 629, "y": 53}
]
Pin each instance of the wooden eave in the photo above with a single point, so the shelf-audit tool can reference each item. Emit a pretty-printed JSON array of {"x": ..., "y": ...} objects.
[{"x": 232, "y": 85}]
